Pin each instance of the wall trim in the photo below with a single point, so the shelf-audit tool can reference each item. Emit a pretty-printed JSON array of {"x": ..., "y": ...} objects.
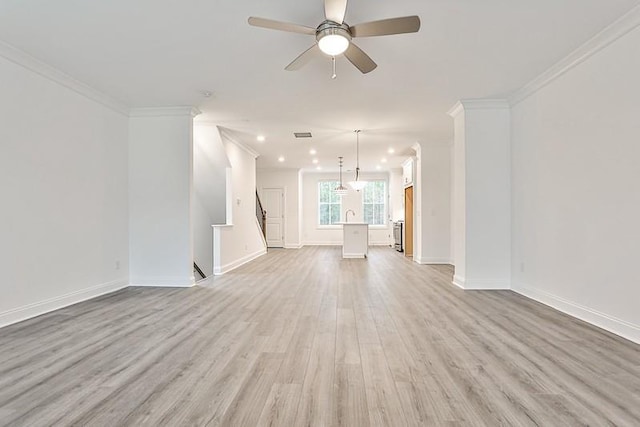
[
  {"x": 486, "y": 285},
  {"x": 164, "y": 282},
  {"x": 325, "y": 243},
  {"x": 36, "y": 66},
  {"x": 42, "y": 307},
  {"x": 614, "y": 325},
  {"x": 458, "y": 281},
  {"x": 433, "y": 261},
  {"x": 618, "y": 29},
  {"x": 354, "y": 256},
  {"x": 225, "y": 135},
  {"x": 178, "y": 111},
  {"x": 478, "y": 104},
  {"x": 293, "y": 246},
  {"x": 339, "y": 243},
  {"x": 219, "y": 271},
  {"x": 481, "y": 284}
]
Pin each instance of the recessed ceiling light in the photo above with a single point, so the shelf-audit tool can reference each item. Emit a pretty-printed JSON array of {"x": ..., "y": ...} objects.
[
  {"x": 378, "y": 167},
  {"x": 315, "y": 161},
  {"x": 319, "y": 168},
  {"x": 260, "y": 138},
  {"x": 391, "y": 151},
  {"x": 383, "y": 160},
  {"x": 281, "y": 159},
  {"x": 312, "y": 151}
]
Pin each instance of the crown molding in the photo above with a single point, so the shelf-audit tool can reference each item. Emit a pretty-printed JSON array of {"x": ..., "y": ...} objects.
[
  {"x": 618, "y": 29},
  {"x": 456, "y": 109},
  {"x": 225, "y": 134},
  {"x": 36, "y": 66},
  {"x": 205, "y": 123},
  {"x": 478, "y": 104},
  {"x": 179, "y": 111}
]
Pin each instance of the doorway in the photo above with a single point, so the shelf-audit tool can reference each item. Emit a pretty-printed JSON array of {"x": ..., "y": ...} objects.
[
  {"x": 274, "y": 205},
  {"x": 408, "y": 221}
]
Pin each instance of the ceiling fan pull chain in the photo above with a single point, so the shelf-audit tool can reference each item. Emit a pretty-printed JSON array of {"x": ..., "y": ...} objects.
[{"x": 333, "y": 65}]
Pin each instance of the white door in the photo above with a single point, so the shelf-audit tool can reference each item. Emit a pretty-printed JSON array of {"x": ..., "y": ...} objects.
[{"x": 274, "y": 205}]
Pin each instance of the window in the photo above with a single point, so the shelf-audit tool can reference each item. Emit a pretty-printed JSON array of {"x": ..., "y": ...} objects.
[
  {"x": 329, "y": 203},
  {"x": 374, "y": 203}
]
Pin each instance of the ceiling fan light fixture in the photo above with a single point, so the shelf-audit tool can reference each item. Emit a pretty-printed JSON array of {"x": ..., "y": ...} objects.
[{"x": 333, "y": 41}]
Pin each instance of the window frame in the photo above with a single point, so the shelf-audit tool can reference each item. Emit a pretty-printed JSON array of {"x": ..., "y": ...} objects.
[
  {"x": 385, "y": 198},
  {"x": 320, "y": 203}
]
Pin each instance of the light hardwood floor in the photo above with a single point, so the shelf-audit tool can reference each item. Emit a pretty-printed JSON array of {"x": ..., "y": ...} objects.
[{"x": 302, "y": 337}]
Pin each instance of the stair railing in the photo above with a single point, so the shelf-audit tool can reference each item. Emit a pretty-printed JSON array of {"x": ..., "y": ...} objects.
[{"x": 261, "y": 215}]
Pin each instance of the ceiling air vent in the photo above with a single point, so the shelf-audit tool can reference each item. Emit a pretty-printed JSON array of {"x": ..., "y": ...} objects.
[{"x": 302, "y": 134}]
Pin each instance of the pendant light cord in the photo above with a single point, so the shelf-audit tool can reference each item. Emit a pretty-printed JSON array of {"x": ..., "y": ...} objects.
[{"x": 357, "y": 153}]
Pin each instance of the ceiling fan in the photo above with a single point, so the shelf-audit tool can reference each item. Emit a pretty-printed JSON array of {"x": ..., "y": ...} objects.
[{"x": 334, "y": 36}]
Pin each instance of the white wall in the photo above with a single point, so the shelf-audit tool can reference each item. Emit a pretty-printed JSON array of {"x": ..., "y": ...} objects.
[
  {"x": 312, "y": 234},
  {"x": 63, "y": 181},
  {"x": 210, "y": 164},
  {"x": 160, "y": 189},
  {"x": 287, "y": 179},
  {"x": 242, "y": 240},
  {"x": 576, "y": 189},
  {"x": 434, "y": 187},
  {"x": 458, "y": 210},
  {"x": 396, "y": 195},
  {"x": 483, "y": 193}
]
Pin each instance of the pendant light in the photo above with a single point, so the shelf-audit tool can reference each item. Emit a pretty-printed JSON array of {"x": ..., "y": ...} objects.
[
  {"x": 358, "y": 184},
  {"x": 341, "y": 190}
]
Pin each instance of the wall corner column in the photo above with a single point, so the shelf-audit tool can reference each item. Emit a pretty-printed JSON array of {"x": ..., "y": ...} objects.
[
  {"x": 160, "y": 196},
  {"x": 481, "y": 217}
]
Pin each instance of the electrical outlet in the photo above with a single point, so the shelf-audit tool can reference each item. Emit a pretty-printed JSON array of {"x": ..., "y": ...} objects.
[{"x": 117, "y": 264}]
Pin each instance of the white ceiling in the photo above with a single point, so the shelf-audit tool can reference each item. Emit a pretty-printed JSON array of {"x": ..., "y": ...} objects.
[{"x": 163, "y": 53}]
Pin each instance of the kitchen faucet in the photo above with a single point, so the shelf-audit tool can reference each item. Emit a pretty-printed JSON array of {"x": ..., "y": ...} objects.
[{"x": 346, "y": 214}]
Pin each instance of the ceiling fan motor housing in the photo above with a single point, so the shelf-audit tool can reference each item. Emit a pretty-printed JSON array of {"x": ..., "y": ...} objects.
[{"x": 339, "y": 35}]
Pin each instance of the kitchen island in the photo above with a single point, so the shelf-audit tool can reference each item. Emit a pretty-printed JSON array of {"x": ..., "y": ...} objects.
[{"x": 355, "y": 241}]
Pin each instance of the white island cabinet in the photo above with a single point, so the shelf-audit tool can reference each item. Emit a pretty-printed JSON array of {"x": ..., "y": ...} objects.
[{"x": 355, "y": 243}]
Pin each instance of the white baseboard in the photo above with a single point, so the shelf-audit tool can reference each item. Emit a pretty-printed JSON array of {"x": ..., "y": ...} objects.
[
  {"x": 486, "y": 284},
  {"x": 481, "y": 284},
  {"x": 36, "y": 309},
  {"x": 433, "y": 261},
  {"x": 354, "y": 256},
  {"x": 322, "y": 244},
  {"x": 616, "y": 326},
  {"x": 293, "y": 245},
  {"x": 340, "y": 244},
  {"x": 458, "y": 281},
  {"x": 219, "y": 271},
  {"x": 163, "y": 282}
]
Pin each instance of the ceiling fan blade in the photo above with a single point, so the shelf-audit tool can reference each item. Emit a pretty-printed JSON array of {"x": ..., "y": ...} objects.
[
  {"x": 304, "y": 58},
  {"x": 386, "y": 27},
  {"x": 334, "y": 10},
  {"x": 360, "y": 59},
  {"x": 281, "y": 26}
]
